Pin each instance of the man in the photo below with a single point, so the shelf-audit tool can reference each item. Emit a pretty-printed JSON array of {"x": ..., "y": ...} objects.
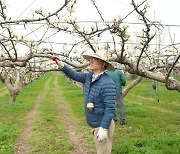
[
  {"x": 99, "y": 97},
  {"x": 119, "y": 80}
]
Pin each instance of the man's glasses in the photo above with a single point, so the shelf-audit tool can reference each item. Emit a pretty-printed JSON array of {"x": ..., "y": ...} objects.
[{"x": 92, "y": 60}]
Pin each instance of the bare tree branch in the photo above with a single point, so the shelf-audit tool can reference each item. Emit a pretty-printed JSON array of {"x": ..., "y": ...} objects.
[
  {"x": 36, "y": 20},
  {"x": 131, "y": 85}
]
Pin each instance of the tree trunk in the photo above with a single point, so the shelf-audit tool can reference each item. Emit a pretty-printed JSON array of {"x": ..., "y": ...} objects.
[{"x": 13, "y": 95}]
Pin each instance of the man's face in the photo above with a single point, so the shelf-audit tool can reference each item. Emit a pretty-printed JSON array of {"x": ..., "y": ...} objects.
[{"x": 96, "y": 64}]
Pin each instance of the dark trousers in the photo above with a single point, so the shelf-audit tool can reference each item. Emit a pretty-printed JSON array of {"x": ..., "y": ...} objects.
[{"x": 119, "y": 100}]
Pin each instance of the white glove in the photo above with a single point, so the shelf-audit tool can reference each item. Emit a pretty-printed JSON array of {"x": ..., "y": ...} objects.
[
  {"x": 102, "y": 134},
  {"x": 60, "y": 64}
]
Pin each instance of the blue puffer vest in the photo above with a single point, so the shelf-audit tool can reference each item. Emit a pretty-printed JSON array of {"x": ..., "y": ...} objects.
[{"x": 102, "y": 92}]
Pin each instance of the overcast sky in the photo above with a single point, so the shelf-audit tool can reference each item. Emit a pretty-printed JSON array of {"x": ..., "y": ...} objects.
[
  {"x": 165, "y": 10},
  {"x": 160, "y": 10}
]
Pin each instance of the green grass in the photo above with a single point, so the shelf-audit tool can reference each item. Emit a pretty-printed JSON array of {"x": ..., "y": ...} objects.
[
  {"x": 74, "y": 98},
  {"x": 5, "y": 97},
  {"x": 49, "y": 133},
  {"x": 153, "y": 126},
  {"x": 12, "y": 117}
]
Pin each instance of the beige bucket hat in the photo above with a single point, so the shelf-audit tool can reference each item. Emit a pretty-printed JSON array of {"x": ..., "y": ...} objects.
[{"x": 100, "y": 54}]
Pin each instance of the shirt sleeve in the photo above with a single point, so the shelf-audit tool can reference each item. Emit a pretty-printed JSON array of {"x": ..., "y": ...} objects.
[
  {"x": 77, "y": 76},
  {"x": 109, "y": 96}
]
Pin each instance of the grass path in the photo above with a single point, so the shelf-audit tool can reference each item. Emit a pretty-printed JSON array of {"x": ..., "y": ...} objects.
[
  {"x": 23, "y": 146},
  {"x": 76, "y": 138}
]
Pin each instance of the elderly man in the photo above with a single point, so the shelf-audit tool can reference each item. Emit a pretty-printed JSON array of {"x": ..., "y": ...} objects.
[{"x": 99, "y": 97}]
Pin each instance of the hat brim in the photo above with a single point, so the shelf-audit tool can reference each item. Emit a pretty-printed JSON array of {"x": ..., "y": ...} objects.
[{"x": 110, "y": 67}]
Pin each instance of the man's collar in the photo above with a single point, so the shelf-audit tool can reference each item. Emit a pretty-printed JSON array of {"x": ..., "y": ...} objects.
[{"x": 95, "y": 77}]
